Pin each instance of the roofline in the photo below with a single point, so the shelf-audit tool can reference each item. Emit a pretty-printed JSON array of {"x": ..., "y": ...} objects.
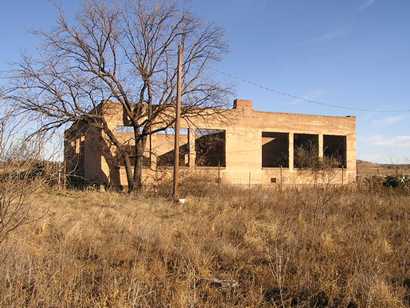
[
  {"x": 269, "y": 112},
  {"x": 306, "y": 114}
]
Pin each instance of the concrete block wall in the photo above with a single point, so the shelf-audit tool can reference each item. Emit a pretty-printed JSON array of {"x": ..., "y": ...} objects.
[
  {"x": 243, "y": 128},
  {"x": 244, "y": 144}
]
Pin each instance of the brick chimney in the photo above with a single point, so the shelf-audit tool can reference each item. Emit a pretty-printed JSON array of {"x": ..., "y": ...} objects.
[{"x": 242, "y": 104}]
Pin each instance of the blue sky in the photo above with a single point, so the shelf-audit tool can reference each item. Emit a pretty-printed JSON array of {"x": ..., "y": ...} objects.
[{"x": 353, "y": 53}]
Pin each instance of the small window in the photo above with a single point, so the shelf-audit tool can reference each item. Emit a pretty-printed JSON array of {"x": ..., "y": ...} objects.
[
  {"x": 168, "y": 158},
  {"x": 210, "y": 147},
  {"x": 334, "y": 150},
  {"x": 306, "y": 150},
  {"x": 275, "y": 150}
]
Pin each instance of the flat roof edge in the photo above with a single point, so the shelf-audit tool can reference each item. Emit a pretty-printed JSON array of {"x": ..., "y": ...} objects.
[{"x": 306, "y": 114}]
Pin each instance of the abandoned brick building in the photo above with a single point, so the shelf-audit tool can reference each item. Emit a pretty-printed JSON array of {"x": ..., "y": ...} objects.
[{"x": 246, "y": 147}]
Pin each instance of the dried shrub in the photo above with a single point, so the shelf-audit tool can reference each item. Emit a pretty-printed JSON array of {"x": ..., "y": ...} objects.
[{"x": 21, "y": 174}]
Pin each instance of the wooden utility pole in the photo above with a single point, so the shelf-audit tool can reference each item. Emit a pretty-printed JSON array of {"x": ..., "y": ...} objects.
[
  {"x": 150, "y": 134},
  {"x": 177, "y": 124}
]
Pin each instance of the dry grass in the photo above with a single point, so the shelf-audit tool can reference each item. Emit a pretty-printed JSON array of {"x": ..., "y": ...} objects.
[{"x": 223, "y": 248}]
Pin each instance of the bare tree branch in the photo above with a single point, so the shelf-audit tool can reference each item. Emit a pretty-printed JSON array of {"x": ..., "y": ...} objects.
[{"x": 126, "y": 54}]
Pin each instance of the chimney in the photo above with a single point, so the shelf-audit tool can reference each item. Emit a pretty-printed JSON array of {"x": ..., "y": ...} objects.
[{"x": 242, "y": 104}]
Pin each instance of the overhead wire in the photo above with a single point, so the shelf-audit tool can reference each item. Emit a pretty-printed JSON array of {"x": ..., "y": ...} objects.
[{"x": 305, "y": 99}]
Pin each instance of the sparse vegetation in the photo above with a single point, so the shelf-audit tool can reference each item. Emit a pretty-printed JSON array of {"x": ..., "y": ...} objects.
[
  {"x": 224, "y": 247},
  {"x": 21, "y": 174}
]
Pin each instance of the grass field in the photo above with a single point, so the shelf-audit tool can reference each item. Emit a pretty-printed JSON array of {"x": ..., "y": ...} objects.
[{"x": 229, "y": 247}]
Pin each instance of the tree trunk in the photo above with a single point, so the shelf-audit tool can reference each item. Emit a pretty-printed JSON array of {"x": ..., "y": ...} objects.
[
  {"x": 128, "y": 171},
  {"x": 124, "y": 154},
  {"x": 138, "y": 163}
]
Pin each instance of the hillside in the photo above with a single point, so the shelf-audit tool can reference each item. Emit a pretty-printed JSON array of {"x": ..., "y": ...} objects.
[{"x": 366, "y": 168}]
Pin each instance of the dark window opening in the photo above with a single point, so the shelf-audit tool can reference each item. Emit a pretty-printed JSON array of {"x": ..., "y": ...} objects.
[
  {"x": 334, "y": 149},
  {"x": 210, "y": 148},
  {"x": 168, "y": 158},
  {"x": 275, "y": 150},
  {"x": 306, "y": 150}
]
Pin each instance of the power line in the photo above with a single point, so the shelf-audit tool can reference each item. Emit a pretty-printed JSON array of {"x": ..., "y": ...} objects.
[{"x": 307, "y": 100}]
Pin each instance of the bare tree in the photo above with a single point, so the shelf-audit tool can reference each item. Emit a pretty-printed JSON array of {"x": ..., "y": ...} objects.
[{"x": 126, "y": 54}]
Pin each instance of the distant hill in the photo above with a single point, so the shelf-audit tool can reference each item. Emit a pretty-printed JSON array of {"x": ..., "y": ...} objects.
[{"x": 366, "y": 168}]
